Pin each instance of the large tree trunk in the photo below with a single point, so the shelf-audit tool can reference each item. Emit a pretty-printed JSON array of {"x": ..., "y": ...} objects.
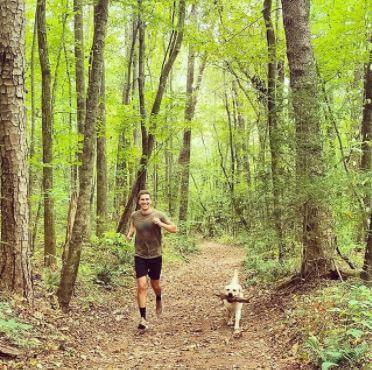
[
  {"x": 366, "y": 164},
  {"x": 148, "y": 138},
  {"x": 101, "y": 163},
  {"x": 314, "y": 207},
  {"x": 15, "y": 268},
  {"x": 273, "y": 126},
  {"x": 47, "y": 139},
  {"x": 81, "y": 222}
]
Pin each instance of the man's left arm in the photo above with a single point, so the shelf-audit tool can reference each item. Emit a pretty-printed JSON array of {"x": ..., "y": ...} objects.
[{"x": 165, "y": 224}]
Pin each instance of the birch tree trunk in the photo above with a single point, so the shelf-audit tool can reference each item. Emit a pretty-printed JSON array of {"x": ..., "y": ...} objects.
[
  {"x": 15, "y": 267},
  {"x": 314, "y": 207}
]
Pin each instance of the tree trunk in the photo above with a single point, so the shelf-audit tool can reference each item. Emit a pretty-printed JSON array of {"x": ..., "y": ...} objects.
[
  {"x": 79, "y": 68},
  {"x": 101, "y": 163},
  {"x": 273, "y": 126},
  {"x": 148, "y": 139},
  {"x": 122, "y": 168},
  {"x": 184, "y": 158},
  {"x": 81, "y": 222},
  {"x": 32, "y": 176},
  {"x": 47, "y": 139},
  {"x": 15, "y": 267},
  {"x": 314, "y": 214},
  {"x": 366, "y": 164}
]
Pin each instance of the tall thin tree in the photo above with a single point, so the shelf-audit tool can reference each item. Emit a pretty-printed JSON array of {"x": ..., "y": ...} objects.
[
  {"x": 47, "y": 137},
  {"x": 185, "y": 153},
  {"x": 148, "y": 137},
  {"x": 366, "y": 163},
  {"x": 101, "y": 223},
  {"x": 273, "y": 125},
  {"x": 81, "y": 221}
]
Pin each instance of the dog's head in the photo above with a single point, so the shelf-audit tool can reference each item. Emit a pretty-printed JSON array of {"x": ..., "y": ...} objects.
[{"x": 233, "y": 290}]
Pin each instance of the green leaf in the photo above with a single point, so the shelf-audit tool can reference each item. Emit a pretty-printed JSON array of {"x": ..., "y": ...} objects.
[
  {"x": 328, "y": 365},
  {"x": 355, "y": 333}
]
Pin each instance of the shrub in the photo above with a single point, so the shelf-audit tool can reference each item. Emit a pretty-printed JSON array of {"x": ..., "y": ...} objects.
[
  {"x": 346, "y": 308},
  {"x": 10, "y": 327}
]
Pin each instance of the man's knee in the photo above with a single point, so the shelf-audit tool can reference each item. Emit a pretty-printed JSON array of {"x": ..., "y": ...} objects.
[
  {"x": 155, "y": 284},
  {"x": 142, "y": 285}
]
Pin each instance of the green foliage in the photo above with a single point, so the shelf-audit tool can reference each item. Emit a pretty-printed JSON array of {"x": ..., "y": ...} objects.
[
  {"x": 51, "y": 279},
  {"x": 10, "y": 327},
  {"x": 347, "y": 310},
  {"x": 261, "y": 261},
  {"x": 108, "y": 259},
  {"x": 183, "y": 245}
]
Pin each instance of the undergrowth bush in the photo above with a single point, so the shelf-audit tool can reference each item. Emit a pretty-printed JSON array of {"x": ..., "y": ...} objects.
[
  {"x": 10, "y": 327},
  {"x": 183, "y": 245},
  {"x": 108, "y": 260},
  {"x": 336, "y": 324},
  {"x": 261, "y": 260}
]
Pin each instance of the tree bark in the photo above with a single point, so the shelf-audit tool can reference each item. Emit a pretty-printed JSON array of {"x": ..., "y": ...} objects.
[
  {"x": 366, "y": 164},
  {"x": 81, "y": 222},
  {"x": 122, "y": 168},
  {"x": 101, "y": 163},
  {"x": 47, "y": 139},
  {"x": 15, "y": 267},
  {"x": 148, "y": 138},
  {"x": 32, "y": 176},
  {"x": 273, "y": 127},
  {"x": 79, "y": 69},
  {"x": 184, "y": 157},
  {"x": 314, "y": 214}
]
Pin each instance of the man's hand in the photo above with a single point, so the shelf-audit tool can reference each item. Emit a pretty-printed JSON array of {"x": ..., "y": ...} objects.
[
  {"x": 169, "y": 227},
  {"x": 129, "y": 237}
]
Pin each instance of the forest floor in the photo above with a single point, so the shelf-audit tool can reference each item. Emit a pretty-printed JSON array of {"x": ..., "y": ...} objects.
[{"x": 191, "y": 333}]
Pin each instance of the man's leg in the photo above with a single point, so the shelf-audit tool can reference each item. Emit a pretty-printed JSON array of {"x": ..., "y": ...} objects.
[
  {"x": 155, "y": 284},
  {"x": 141, "y": 299},
  {"x": 155, "y": 266}
]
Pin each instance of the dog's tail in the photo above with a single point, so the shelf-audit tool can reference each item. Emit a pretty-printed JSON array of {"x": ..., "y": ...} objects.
[{"x": 235, "y": 278}]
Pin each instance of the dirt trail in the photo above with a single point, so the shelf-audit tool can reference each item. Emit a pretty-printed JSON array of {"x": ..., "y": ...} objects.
[{"x": 192, "y": 332}]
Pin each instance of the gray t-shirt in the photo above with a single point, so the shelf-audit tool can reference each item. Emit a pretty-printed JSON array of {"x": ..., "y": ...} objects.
[{"x": 147, "y": 241}]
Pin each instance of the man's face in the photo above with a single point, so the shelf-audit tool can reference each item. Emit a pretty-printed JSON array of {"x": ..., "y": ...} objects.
[{"x": 144, "y": 202}]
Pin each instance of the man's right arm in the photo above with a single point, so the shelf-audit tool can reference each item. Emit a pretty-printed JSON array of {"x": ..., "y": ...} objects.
[{"x": 131, "y": 231}]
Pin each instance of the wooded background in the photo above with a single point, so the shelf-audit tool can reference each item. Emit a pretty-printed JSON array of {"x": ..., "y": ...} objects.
[{"x": 242, "y": 118}]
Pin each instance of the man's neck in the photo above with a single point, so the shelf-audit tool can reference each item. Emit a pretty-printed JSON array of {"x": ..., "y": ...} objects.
[{"x": 147, "y": 211}]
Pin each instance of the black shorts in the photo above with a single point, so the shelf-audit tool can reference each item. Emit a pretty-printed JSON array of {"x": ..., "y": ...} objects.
[{"x": 151, "y": 267}]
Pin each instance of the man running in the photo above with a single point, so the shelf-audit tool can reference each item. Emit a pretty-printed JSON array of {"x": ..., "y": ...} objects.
[{"x": 146, "y": 224}]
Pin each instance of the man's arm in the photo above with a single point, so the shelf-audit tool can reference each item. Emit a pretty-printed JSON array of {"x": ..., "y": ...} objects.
[
  {"x": 170, "y": 227},
  {"x": 131, "y": 231}
]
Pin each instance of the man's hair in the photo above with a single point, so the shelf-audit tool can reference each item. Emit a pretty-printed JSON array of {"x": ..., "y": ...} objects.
[{"x": 142, "y": 192}]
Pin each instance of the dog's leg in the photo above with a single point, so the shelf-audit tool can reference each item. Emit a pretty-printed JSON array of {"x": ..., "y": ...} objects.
[
  {"x": 238, "y": 313},
  {"x": 229, "y": 317}
]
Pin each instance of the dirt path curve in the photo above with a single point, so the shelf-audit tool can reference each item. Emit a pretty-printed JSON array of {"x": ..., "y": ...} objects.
[{"x": 192, "y": 332}]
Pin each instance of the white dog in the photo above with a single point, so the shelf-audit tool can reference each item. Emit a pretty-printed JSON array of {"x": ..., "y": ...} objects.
[{"x": 233, "y": 309}]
